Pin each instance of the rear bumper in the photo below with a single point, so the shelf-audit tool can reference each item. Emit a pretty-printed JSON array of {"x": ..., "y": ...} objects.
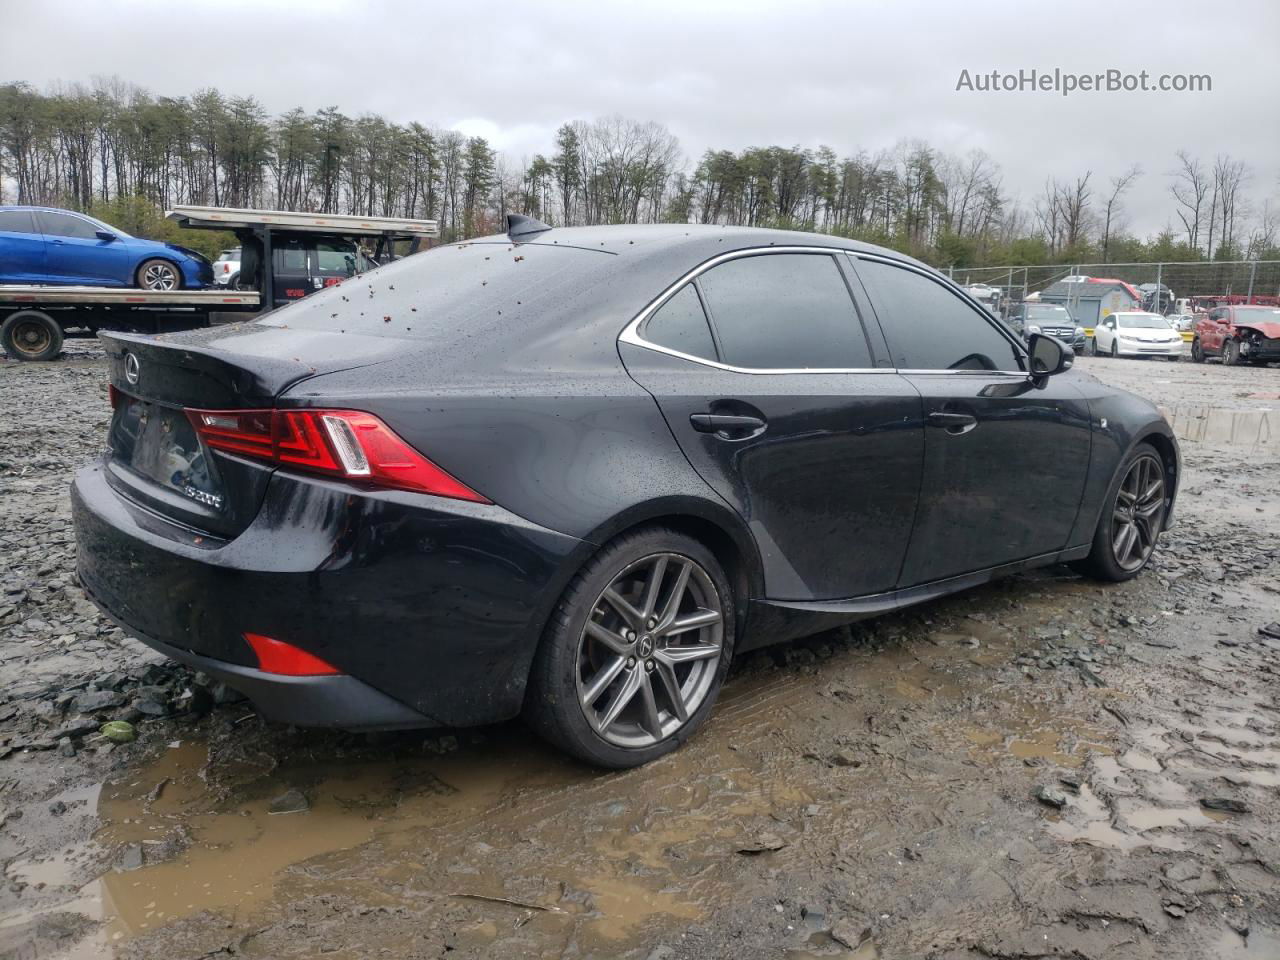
[
  {"x": 431, "y": 608},
  {"x": 331, "y": 701}
]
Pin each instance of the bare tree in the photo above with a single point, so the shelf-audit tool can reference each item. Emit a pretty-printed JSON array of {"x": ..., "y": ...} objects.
[
  {"x": 1113, "y": 207},
  {"x": 1228, "y": 176},
  {"x": 1189, "y": 188}
]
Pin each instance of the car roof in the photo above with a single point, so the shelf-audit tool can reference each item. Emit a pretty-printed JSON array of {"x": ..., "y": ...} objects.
[{"x": 74, "y": 213}]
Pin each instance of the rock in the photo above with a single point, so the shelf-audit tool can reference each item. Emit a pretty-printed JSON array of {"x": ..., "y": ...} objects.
[
  {"x": 849, "y": 934},
  {"x": 843, "y": 758},
  {"x": 118, "y": 731},
  {"x": 131, "y": 857},
  {"x": 65, "y": 747},
  {"x": 814, "y": 917},
  {"x": 291, "y": 801},
  {"x": 57, "y": 808},
  {"x": 1237, "y": 920},
  {"x": 1174, "y": 909},
  {"x": 223, "y": 694},
  {"x": 150, "y": 708},
  {"x": 1271, "y": 630},
  {"x": 661, "y": 952},
  {"x": 762, "y": 843},
  {"x": 1226, "y": 804},
  {"x": 1050, "y": 796},
  {"x": 95, "y": 701}
]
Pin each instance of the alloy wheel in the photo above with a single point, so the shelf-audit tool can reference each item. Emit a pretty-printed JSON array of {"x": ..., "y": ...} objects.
[
  {"x": 648, "y": 654},
  {"x": 159, "y": 276},
  {"x": 1138, "y": 513}
]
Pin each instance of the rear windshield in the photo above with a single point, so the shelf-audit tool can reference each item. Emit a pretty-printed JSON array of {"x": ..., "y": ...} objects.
[
  {"x": 1048, "y": 313},
  {"x": 466, "y": 286},
  {"x": 1258, "y": 314}
]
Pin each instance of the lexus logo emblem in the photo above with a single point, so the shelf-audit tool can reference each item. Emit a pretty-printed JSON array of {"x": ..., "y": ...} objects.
[{"x": 131, "y": 368}]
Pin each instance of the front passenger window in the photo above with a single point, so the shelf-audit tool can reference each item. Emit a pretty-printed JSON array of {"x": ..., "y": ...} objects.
[{"x": 929, "y": 327}]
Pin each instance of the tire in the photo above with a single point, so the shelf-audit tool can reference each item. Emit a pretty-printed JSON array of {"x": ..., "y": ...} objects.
[
  {"x": 592, "y": 660},
  {"x": 1197, "y": 351},
  {"x": 1115, "y": 350},
  {"x": 158, "y": 274},
  {"x": 31, "y": 335},
  {"x": 1129, "y": 504},
  {"x": 1093, "y": 347},
  {"x": 1173, "y": 359},
  {"x": 1231, "y": 353},
  {"x": 234, "y": 282}
]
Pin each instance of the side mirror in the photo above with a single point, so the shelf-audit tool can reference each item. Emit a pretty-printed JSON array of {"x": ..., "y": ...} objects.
[
  {"x": 106, "y": 235},
  {"x": 1049, "y": 357}
]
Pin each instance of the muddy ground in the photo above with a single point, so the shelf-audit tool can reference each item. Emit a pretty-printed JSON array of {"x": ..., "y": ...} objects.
[{"x": 866, "y": 793}]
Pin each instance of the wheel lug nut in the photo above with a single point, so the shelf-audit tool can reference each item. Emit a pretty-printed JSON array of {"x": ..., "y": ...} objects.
[
  {"x": 629, "y": 633},
  {"x": 648, "y": 665},
  {"x": 652, "y": 623},
  {"x": 631, "y": 661}
]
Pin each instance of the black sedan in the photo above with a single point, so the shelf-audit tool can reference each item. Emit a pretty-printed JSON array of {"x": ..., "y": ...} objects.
[{"x": 571, "y": 473}]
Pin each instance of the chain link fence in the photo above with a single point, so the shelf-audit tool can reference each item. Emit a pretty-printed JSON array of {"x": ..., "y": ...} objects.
[{"x": 1242, "y": 278}]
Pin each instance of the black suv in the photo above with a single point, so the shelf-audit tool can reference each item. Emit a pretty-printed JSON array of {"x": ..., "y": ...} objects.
[{"x": 1051, "y": 319}]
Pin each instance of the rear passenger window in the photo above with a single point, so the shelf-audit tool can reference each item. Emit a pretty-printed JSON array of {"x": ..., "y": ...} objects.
[
  {"x": 784, "y": 311},
  {"x": 680, "y": 324},
  {"x": 929, "y": 327}
]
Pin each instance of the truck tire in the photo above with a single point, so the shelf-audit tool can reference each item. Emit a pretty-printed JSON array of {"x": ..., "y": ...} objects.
[
  {"x": 158, "y": 274},
  {"x": 31, "y": 335},
  {"x": 1231, "y": 353},
  {"x": 1197, "y": 351}
]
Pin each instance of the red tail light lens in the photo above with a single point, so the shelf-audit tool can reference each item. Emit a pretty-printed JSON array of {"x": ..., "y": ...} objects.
[
  {"x": 349, "y": 444},
  {"x": 276, "y": 656}
]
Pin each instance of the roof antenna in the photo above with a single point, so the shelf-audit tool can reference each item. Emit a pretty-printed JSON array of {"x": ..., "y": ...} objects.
[{"x": 521, "y": 228}]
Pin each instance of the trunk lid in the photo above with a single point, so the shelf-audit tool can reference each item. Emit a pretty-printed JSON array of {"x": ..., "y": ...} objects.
[{"x": 154, "y": 456}]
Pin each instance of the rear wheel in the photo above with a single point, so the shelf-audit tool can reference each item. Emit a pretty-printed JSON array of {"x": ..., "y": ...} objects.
[
  {"x": 636, "y": 651},
  {"x": 1132, "y": 518},
  {"x": 1231, "y": 353},
  {"x": 31, "y": 335},
  {"x": 1197, "y": 351},
  {"x": 158, "y": 275}
]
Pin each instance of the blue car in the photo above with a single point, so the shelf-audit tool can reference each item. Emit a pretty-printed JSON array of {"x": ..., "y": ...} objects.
[{"x": 45, "y": 246}]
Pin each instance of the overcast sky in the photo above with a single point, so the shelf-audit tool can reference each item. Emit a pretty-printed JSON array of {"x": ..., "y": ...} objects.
[{"x": 849, "y": 74}]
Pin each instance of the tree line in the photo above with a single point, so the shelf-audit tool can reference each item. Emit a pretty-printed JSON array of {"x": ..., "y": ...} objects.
[{"x": 124, "y": 154}]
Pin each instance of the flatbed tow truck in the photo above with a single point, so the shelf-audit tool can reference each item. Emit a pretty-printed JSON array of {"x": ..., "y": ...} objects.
[{"x": 285, "y": 256}]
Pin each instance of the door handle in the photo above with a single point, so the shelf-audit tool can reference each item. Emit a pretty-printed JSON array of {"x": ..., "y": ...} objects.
[
  {"x": 726, "y": 424},
  {"x": 954, "y": 423}
]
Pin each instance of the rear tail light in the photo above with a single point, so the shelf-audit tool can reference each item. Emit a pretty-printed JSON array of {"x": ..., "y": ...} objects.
[
  {"x": 348, "y": 444},
  {"x": 276, "y": 656},
  {"x": 226, "y": 268}
]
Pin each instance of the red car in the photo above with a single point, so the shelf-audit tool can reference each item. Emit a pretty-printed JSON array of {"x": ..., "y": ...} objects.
[{"x": 1238, "y": 334}]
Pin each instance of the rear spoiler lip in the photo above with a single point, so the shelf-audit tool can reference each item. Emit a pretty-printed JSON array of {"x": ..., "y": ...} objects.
[{"x": 212, "y": 378}]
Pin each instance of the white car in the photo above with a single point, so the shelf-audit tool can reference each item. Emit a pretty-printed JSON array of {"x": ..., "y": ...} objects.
[
  {"x": 226, "y": 269},
  {"x": 1137, "y": 335}
]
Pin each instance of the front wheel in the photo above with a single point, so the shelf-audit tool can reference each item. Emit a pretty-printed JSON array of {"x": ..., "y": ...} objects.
[
  {"x": 158, "y": 275},
  {"x": 1115, "y": 350},
  {"x": 1093, "y": 347},
  {"x": 1132, "y": 518},
  {"x": 636, "y": 651},
  {"x": 1231, "y": 353},
  {"x": 1197, "y": 351}
]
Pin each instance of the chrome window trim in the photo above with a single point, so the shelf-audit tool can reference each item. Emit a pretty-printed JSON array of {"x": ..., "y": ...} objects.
[{"x": 631, "y": 332}]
